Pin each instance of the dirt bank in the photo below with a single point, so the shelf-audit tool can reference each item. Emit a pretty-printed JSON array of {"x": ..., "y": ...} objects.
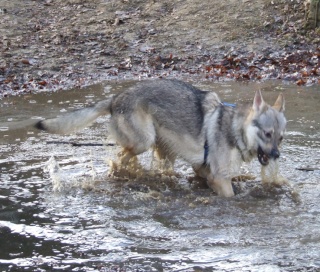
[{"x": 60, "y": 44}]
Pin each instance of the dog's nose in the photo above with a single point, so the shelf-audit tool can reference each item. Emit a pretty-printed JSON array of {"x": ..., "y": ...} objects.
[{"x": 275, "y": 153}]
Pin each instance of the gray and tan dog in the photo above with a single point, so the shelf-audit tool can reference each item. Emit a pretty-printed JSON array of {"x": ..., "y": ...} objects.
[{"x": 176, "y": 119}]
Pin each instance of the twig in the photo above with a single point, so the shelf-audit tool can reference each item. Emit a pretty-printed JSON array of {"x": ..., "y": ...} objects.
[{"x": 78, "y": 144}]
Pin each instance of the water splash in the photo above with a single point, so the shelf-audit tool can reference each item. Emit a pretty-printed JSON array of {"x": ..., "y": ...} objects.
[
  {"x": 140, "y": 170},
  {"x": 270, "y": 174},
  {"x": 63, "y": 180},
  {"x": 52, "y": 167}
]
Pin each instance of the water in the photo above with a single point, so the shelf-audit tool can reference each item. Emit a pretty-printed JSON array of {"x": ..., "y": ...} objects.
[{"x": 61, "y": 211}]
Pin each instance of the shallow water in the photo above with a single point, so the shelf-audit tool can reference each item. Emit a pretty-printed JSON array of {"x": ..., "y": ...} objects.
[{"x": 61, "y": 211}]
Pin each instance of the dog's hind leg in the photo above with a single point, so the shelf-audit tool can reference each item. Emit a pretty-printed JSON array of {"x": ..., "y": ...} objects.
[
  {"x": 128, "y": 155},
  {"x": 125, "y": 156},
  {"x": 221, "y": 185},
  {"x": 163, "y": 160},
  {"x": 135, "y": 134},
  {"x": 165, "y": 156}
]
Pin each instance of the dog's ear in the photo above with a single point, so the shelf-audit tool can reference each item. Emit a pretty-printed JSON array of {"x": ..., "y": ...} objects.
[
  {"x": 258, "y": 102},
  {"x": 279, "y": 105}
]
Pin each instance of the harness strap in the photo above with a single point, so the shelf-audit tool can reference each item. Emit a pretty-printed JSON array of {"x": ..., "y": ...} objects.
[
  {"x": 228, "y": 104},
  {"x": 206, "y": 152},
  {"x": 206, "y": 146}
]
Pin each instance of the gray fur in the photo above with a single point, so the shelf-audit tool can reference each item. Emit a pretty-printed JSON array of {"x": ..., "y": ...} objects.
[
  {"x": 75, "y": 120},
  {"x": 176, "y": 119}
]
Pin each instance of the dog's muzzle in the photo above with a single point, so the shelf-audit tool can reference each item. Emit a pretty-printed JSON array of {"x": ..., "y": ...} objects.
[{"x": 264, "y": 158}]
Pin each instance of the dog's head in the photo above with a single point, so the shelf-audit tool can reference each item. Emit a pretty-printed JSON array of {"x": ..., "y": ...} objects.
[{"x": 269, "y": 124}]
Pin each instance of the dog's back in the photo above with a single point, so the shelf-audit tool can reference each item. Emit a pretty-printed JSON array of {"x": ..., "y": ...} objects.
[{"x": 174, "y": 105}]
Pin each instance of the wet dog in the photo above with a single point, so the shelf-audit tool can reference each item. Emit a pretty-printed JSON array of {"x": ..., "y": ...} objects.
[{"x": 178, "y": 120}]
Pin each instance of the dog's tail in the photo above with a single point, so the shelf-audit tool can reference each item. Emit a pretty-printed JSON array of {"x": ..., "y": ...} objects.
[{"x": 75, "y": 120}]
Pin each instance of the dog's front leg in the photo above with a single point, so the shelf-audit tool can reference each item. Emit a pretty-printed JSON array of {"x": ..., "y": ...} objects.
[
  {"x": 201, "y": 171},
  {"x": 221, "y": 185}
]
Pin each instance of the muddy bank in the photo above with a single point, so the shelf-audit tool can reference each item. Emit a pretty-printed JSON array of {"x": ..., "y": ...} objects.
[{"x": 52, "y": 45}]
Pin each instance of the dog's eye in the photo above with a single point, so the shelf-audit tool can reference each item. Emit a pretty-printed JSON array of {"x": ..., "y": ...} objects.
[{"x": 268, "y": 134}]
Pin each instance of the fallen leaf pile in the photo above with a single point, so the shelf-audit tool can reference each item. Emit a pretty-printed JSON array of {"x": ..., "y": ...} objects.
[{"x": 302, "y": 67}]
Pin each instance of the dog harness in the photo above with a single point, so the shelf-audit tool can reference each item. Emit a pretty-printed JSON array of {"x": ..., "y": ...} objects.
[
  {"x": 228, "y": 104},
  {"x": 206, "y": 146}
]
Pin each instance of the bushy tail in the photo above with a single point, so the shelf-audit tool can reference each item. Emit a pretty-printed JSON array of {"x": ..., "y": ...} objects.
[{"x": 76, "y": 120}]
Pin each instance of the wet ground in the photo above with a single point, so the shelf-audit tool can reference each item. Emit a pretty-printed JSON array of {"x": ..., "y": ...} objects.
[{"x": 61, "y": 211}]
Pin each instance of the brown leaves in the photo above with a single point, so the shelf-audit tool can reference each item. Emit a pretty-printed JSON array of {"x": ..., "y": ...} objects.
[
  {"x": 25, "y": 61},
  {"x": 42, "y": 83},
  {"x": 29, "y": 61},
  {"x": 301, "y": 82},
  {"x": 299, "y": 66}
]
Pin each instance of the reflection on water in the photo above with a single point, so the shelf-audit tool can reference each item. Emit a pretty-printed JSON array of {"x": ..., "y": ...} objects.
[{"x": 93, "y": 222}]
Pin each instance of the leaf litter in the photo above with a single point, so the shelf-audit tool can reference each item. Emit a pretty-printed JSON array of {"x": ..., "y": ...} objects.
[{"x": 56, "y": 45}]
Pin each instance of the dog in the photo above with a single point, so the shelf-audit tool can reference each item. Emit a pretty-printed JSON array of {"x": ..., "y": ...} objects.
[{"x": 177, "y": 119}]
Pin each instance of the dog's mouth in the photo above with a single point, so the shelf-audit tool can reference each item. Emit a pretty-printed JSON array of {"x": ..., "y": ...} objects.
[{"x": 262, "y": 157}]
